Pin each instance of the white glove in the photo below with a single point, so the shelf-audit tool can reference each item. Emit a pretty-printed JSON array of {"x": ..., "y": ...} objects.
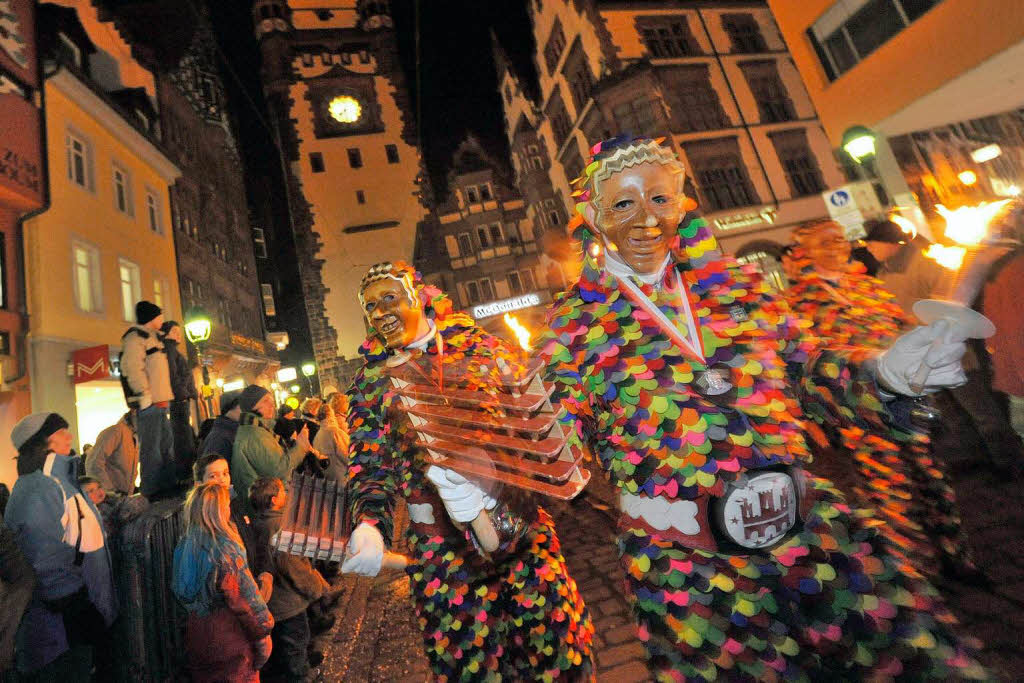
[
  {"x": 934, "y": 347},
  {"x": 463, "y": 499},
  {"x": 365, "y": 551}
]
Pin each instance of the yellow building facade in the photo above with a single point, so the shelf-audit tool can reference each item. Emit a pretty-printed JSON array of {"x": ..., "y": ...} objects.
[
  {"x": 935, "y": 80},
  {"x": 105, "y": 241}
]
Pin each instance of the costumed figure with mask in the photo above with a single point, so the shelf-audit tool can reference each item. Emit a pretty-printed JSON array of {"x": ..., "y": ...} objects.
[
  {"x": 686, "y": 375},
  {"x": 895, "y": 470},
  {"x": 489, "y": 582}
]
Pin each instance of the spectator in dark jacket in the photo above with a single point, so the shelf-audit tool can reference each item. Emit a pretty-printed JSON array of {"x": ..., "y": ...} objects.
[
  {"x": 296, "y": 585},
  {"x": 221, "y": 439},
  {"x": 114, "y": 460},
  {"x": 16, "y": 583},
  {"x": 183, "y": 385},
  {"x": 59, "y": 531}
]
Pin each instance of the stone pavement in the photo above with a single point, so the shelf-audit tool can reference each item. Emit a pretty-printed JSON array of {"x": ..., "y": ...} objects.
[{"x": 377, "y": 638}]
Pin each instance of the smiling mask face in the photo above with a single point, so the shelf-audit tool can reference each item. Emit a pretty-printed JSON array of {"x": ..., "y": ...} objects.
[
  {"x": 393, "y": 314},
  {"x": 637, "y": 211}
]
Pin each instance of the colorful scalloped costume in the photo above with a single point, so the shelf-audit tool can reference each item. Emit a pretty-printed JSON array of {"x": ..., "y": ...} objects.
[
  {"x": 828, "y": 603},
  {"x": 897, "y": 474},
  {"x": 515, "y": 615}
]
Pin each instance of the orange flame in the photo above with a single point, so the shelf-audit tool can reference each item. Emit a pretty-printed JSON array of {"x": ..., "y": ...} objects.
[
  {"x": 522, "y": 334},
  {"x": 947, "y": 257},
  {"x": 968, "y": 225}
]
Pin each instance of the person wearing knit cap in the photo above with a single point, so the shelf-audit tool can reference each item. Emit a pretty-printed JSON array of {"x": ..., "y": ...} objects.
[
  {"x": 221, "y": 438},
  {"x": 902, "y": 266},
  {"x": 256, "y": 452},
  {"x": 60, "y": 533},
  {"x": 146, "y": 380},
  {"x": 183, "y": 388}
]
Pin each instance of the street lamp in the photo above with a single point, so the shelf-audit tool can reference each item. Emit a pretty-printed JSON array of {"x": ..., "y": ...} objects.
[
  {"x": 197, "y": 330},
  {"x": 859, "y": 143},
  {"x": 309, "y": 369}
]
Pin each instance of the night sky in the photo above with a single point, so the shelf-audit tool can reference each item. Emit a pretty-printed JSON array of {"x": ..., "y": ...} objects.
[{"x": 456, "y": 68}]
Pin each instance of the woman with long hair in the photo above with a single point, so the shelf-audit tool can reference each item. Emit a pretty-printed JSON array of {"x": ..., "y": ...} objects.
[
  {"x": 332, "y": 440},
  {"x": 227, "y": 637}
]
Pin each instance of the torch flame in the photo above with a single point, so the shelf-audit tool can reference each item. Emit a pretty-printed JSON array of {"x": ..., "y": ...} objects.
[
  {"x": 947, "y": 257},
  {"x": 906, "y": 225},
  {"x": 969, "y": 224},
  {"x": 522, "y": 334}
]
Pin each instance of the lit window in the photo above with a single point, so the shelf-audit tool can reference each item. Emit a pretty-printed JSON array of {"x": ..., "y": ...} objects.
[
  {"x": 122, "y": 191},
  {"x": 158, "y": 292},
  {"x": 131, "y": 288},
  {"x": 86, "y": 266},
  {"x": 345, "y": 109},
  {"x": 268, "y": 299},
  {"x": 153, "y": 211}
]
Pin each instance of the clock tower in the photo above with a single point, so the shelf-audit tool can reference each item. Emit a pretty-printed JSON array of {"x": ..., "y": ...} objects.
[{"x": 341, "y": 112}]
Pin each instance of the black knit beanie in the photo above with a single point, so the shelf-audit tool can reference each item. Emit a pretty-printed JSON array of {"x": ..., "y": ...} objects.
[{"x": 146, "y": 311}]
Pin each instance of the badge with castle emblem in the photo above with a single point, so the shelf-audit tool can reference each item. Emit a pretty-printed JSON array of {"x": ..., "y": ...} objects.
[
  {"x": 760, "y": 513},
  {"x": 738, "y": 313}
]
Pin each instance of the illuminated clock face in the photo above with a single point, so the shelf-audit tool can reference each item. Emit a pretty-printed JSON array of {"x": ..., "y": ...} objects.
[{"x": 345, "y": 109}]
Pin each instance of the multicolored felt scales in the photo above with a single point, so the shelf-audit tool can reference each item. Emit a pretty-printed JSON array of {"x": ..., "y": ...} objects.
[
  {"x": 503, "y": 429},
  {"x": 315, "y": 522}
]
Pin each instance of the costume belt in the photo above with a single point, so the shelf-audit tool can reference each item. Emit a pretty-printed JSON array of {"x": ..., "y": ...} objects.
[{"x": 758, "y": 511}]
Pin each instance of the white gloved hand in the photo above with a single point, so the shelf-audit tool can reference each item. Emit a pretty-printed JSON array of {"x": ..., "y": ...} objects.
[
  {"x": 365, "y": 551},
  {"x": 933, "y": 346},
  {"x": 463, "y": 499}
]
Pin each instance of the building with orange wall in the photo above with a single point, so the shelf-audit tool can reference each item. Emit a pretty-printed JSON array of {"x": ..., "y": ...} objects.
[
  {"x": 105, "y": 240},
  {"x": 714, "y": 78},
  {"x": 936, "y": 80},
  {"x": 340, "y": 106},
  {"x": 22, "y": 190}
]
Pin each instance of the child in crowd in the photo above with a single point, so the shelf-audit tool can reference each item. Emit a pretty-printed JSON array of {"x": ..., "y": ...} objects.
[
  {"x": 227, "y": 635},
  {"x": 296, "y": 585},
  {"x": 92, "y": 488}
]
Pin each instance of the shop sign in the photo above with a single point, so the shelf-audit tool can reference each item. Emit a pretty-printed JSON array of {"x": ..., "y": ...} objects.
[
  {"x": 247, "y": 343},
  {"x": 505, "y": 305},
  {"x": 91, "y": 363},
  {"x": 765, "y": 216},
  {"x": 287, "y": 375},
  {"x": 851, "y": 205}
]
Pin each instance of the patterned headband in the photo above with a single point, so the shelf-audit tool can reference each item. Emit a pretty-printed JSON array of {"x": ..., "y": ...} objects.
[{"x": 399, "y": 271}]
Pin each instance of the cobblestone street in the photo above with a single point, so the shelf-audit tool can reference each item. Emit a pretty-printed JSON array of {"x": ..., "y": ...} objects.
[{"x": 377, "y": 638}]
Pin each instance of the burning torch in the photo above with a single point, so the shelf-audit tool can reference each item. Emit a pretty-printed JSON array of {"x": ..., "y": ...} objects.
[{"x": 967, "y": 226}]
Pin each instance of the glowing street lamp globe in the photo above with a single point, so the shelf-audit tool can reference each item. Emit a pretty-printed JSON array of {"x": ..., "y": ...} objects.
[
  {"x": 859, "y": 143},
  {"x": 197, "y": 326},
  {"x": 295, "y": 388},
  {"x": 308, "y": 369}
]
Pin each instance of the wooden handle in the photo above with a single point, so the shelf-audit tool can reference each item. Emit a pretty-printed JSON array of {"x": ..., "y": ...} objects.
[
  {"x": 921, "y": 376},
  {"x": 394, "y": 561}
]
